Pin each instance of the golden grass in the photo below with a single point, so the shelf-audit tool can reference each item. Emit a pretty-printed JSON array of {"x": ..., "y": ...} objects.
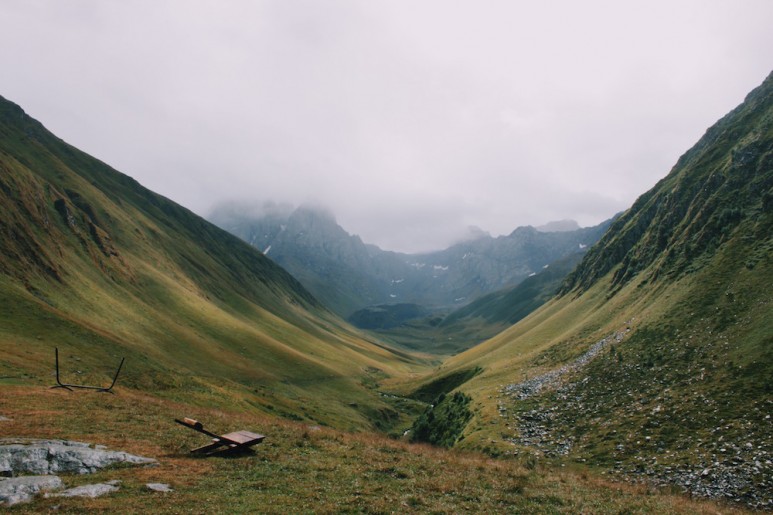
[{"x": 299, "y": 468}]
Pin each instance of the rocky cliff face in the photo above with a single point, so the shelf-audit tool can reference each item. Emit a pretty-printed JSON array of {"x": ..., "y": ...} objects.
[{"x": 338, "y": 268}]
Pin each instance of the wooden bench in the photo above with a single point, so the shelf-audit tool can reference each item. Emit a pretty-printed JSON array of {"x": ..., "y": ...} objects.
[{"x": 227, "y": 443}]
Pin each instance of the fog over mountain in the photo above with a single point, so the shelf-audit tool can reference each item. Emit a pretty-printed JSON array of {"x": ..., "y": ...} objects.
[
  {"x": 414, "y": 120},
  {"x": 347, "y": 274}
]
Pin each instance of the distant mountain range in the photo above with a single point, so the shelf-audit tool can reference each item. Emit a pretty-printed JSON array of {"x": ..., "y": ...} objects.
[{"x": 348, "y": 275}]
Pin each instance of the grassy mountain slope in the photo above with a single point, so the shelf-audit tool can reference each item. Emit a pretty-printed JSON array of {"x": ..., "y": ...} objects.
[
  {"x": 442, "y": 333},
  {"x": 501, "y": 309},
  {"x": 92, "y": 262},
  {"x": 678, "y": 289}
]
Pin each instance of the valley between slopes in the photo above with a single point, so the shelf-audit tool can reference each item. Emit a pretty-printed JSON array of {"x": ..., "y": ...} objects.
[{"x": 640, "y": 383}]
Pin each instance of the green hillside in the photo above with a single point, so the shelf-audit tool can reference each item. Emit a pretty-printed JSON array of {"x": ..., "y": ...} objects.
[
  {"x": 655, "y": 362},
  {"x": 497, "y": 311},
  {"x": 95, "y": 264},
  {"x": 444, "y": 333}
]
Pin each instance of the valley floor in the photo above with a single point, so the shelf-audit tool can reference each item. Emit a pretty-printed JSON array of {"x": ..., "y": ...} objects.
[{"x": 301, "y": 468}]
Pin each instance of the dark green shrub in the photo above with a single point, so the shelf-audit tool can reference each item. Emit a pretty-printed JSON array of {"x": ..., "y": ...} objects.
[{"x": 443, "y": 422}]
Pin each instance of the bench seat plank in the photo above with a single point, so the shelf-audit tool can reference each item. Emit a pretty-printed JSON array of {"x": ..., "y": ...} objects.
[{"x": 243, "y": 437}]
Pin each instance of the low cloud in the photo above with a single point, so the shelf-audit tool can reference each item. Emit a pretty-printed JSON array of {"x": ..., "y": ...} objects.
[{"x": 411, "y": 120}]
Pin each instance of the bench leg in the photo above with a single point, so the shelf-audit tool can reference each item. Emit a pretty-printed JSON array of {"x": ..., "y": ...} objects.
[{"x": 206, "y": 449}]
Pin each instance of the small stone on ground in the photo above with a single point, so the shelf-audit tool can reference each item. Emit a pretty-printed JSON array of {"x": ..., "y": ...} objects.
[
  {"x": 96, "y": 490},
  {"x": 159, "y": 487},
  {"x": 22, "y": 489}
]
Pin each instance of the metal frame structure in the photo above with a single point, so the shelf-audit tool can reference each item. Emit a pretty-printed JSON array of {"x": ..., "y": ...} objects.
[{"x": 67, "y": 386}]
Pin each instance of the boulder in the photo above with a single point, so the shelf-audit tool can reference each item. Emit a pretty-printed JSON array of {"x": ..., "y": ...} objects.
[{"x": 41, "y": 457}]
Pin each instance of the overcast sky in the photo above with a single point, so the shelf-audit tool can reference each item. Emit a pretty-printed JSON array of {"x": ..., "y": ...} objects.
[{"x": 411, "y": 120}]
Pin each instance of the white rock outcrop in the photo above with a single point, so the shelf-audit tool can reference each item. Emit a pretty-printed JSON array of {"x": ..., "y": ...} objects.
[{"x": 42, "y": 457}]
